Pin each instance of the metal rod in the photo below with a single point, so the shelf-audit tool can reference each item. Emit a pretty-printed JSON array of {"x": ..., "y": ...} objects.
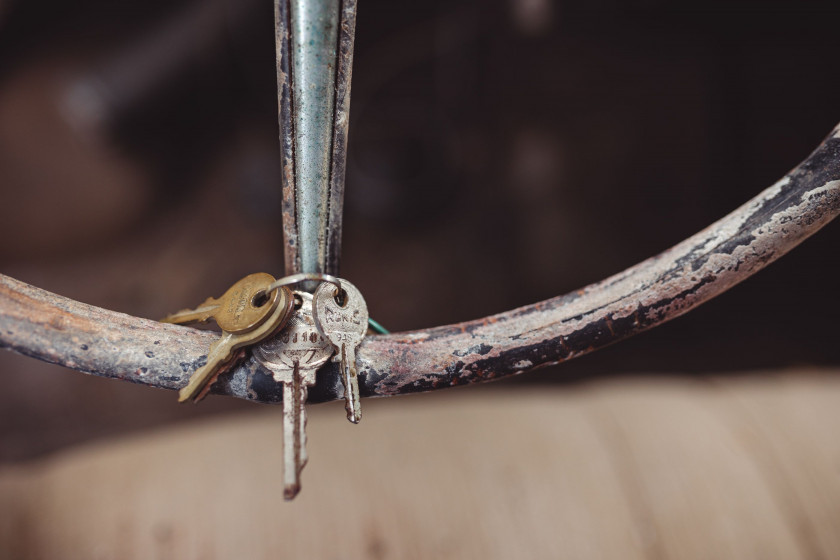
[
  {"x": 314, "y": 61},
  {"x": 37, "y": 323}
]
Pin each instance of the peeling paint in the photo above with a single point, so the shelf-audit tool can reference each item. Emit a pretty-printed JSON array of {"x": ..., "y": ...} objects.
[{"x": 43, "y": 325}]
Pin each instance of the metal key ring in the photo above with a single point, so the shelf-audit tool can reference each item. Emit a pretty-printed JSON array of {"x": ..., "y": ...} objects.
[{"x": 303, "y": 277}]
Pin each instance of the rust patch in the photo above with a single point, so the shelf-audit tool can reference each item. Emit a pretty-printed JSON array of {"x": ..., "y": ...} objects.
[{"x": 641, "y": 297}]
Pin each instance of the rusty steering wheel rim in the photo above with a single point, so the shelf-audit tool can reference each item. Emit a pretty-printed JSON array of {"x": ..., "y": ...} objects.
[{"x": 106, "y": 343}]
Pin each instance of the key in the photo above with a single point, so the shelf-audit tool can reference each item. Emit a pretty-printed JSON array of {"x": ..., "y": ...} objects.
[
  {"x": 224, "y": 348},
  {"x": 343, "y": 320},
  {"x": 293, "y": 357},
  {"x": 236, "y": 311}
]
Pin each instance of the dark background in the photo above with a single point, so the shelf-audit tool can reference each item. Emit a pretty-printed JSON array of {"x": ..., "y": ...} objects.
[{"x": 500, "y": 153}]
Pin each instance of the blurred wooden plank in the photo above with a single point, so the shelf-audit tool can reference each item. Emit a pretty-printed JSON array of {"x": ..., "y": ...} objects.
[
  {"x": 623, "y": 469},
  {"x": 792, "y": 427},
  {"x": 706, "y": 496}
]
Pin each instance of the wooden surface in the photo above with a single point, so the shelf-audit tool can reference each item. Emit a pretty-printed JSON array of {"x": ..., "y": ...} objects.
[{"x": 744, "y": 467}]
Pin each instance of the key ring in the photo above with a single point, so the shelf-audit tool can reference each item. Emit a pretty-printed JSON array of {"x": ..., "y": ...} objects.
[
  {"x": 319, "y": 277},
  {"x": 304, "y": 277}
]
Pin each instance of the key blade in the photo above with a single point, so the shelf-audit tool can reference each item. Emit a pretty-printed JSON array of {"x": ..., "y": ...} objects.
[
  {"x": 242, "y": 308},
  {"x": 291, "y": 480},
  {"x": 352, "y": 399},
  {"x": 238, "y": 356},
  {"x": 220, "y": 352},
  {"x": 294, "y": 433},
  {"x": 200, "y": 314},
  {"x": 293, "y": 357}
]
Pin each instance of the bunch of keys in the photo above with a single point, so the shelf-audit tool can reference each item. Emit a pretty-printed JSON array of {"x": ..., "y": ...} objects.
[
  {"x": 248, "y": 312},
  {"x": 310, "y": 329},
  {"x": 332, "y": 320}
]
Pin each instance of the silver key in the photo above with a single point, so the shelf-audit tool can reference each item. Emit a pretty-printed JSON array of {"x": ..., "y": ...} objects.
[
  {"x": 293, "y": 357},
  {"x": 344, "y": 322}
]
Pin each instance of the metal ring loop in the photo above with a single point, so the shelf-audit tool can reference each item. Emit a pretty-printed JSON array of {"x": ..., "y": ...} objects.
[{"x": 303, "y": 277}]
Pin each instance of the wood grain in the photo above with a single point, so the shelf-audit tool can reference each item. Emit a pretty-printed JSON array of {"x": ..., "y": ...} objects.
[{"x": 742, "y": 468}]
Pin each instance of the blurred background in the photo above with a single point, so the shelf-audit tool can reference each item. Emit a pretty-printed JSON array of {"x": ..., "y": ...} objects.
[{"x": 501, "y": 152}]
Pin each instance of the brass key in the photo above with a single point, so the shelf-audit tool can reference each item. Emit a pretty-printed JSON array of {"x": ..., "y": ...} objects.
[
  {"x": 223, "y": 349},
  {"x": 236, "y": 311}
]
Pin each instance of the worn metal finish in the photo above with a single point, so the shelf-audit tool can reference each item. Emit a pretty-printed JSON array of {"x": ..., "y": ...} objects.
[
  {"x": 305, "y": 277},
  {"x": 110, "y": 344},
  {"x": 341, "y": 125},
  {"x": 344, "y": 323},
  {"x": 293, "y": 357},
  {"x": 223, "y": 349},
  {"x": 314, "y": 38},
  {"x": 299, "y": 342},
  {"x": 237, "y": 311},
  {"x": 284, "y": 116},
  {"x": 314, "y": 60}
]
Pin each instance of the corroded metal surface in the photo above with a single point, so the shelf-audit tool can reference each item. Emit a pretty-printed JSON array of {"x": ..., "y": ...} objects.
[
  {"x": 284, "y": 117},
  {"x": 314, "y": 67},
  {"x": 343, "y": 80},
  {"x": 83, "y": 337},
  {"x": 314, "y": 42}
]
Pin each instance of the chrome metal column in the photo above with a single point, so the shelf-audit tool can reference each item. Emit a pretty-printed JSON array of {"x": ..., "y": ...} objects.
[{"x": 314, "y": 63}]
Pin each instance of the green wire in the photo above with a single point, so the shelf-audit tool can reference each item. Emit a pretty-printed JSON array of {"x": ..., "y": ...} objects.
[{"x": 376, "y": 327}]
